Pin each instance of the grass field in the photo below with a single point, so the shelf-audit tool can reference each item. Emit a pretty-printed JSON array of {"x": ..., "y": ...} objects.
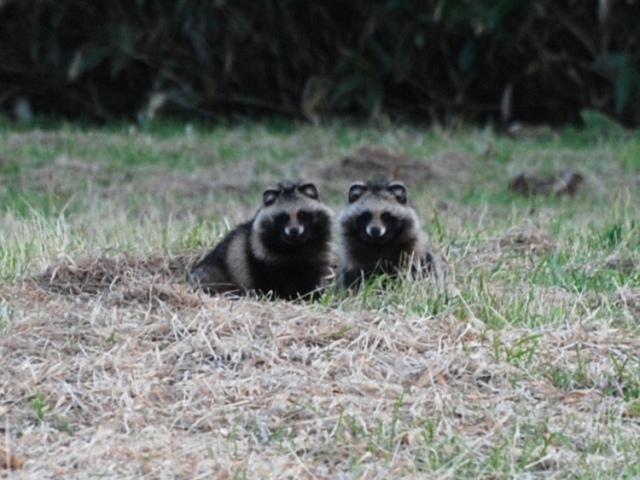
[{"x": 525, "y": 364}]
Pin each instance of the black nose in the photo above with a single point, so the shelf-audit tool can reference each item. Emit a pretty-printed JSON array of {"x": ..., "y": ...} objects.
[
  {"x": 293, "y": 232},
  {"x": 374, "y": 232}
]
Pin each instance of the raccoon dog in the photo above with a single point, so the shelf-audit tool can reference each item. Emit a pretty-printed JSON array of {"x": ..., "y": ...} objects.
[
  {"x": 285, "y": 249},
  {"x": 380, "y": 233}
]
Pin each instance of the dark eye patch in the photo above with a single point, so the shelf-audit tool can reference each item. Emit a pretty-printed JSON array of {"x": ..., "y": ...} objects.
[
  {"x": 282, "y": 218},
  {"x": 304, "y": 216},
  {"x": 386, "y": 217},
  {"x": 365, "y": 217}
]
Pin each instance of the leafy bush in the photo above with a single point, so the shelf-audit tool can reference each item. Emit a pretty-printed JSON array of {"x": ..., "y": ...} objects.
[{"x": 496, "y": 60}]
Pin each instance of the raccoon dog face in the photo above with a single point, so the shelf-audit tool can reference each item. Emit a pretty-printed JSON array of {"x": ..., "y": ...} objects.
[
  {"x": 292, "y": 216},
  {"x": 377, "y": 213}
]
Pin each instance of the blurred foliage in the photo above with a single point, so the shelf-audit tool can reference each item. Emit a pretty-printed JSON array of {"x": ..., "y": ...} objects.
[{"x": 434, "y": 60}]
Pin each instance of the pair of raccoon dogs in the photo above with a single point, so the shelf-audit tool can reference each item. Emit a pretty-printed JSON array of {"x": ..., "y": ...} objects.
[{"x": 286, "y": 248}]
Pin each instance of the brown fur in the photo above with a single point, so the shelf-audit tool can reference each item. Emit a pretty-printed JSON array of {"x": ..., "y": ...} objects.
[
  {"x": 284, "y": 250},
  {"x": 380, "y": 233}
]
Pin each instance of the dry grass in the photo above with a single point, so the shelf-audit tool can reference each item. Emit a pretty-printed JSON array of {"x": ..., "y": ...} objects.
[
  {"x": 110, "y": 366},
  {"x": 149, "y": 379}
]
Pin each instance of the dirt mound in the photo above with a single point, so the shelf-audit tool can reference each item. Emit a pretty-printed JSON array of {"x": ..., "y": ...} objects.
[
  {"x": 369, "y": 162},
  {"x": 125, "y": 279},
  {"x": 372, "y": 162},
  {"x": 565, "y": 182}
]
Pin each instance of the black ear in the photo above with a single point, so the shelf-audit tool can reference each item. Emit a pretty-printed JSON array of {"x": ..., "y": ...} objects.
[
  {"x": 399, "y": 191},
  {"x": 309, "y": 189},
  {"x": 356, "y": 190},
  {"x": 269, "y": 196}
]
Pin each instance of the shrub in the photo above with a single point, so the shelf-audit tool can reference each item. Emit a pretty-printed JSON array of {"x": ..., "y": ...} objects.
[{"x": 499, "y": 60}]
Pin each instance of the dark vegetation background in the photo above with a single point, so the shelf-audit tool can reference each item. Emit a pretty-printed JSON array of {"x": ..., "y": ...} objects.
[{"x": 415, "y": 60}]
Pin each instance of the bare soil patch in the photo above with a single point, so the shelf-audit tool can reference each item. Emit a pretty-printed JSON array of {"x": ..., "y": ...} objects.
[
  {"x": 376, "y": 162},
  {"x": 372, "y": 162}
]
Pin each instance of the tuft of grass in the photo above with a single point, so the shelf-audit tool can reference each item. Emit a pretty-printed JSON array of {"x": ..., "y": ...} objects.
[{"x": 38, "y": 402}]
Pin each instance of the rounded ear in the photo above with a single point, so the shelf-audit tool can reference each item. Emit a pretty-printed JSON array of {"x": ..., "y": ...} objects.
[
  {"x": 356, "y": 190},
  {"x": 269, "y": 196},
  {"x": 309, "y": 189},
  {"x": 399, "y": 191}
]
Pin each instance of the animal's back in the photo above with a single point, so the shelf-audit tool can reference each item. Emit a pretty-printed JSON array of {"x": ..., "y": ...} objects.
[{"x": 225, "y": 268}]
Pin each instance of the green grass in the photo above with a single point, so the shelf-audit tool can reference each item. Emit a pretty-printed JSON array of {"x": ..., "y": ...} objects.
[{"x": 525, "y": 364}]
